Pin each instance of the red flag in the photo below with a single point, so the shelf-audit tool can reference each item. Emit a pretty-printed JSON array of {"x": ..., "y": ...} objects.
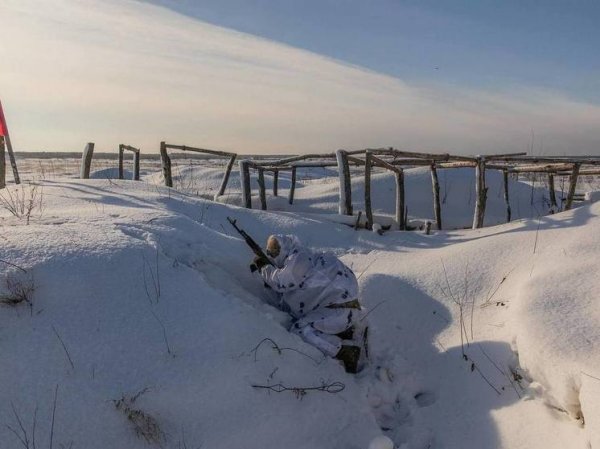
[{"x": 3, "y": 127}]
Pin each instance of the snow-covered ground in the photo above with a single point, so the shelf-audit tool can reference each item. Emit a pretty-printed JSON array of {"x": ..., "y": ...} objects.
[{"x": 142, "y": 324}]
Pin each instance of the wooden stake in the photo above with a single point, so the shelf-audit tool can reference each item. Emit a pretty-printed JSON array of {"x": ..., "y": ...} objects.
[
  {"x": 572, "y": 186},
  {"x": 437, "y": 208},
  {"x": 506, "y": 197},
  {"x": 357, "y": 222},
  {"x": 400, "y": 207},
  {"x": 226, "y": 175},
  {"x": 345, "y": 206},
  {"x": 292, "y": 186},
  {"x": 2, "y": 164},
  {"x": 121, "y": 150},
  {"x": 245, "y": 180},
  {"x": 368, "y": 209},
  {"x": 275, "y": 182},
  {"x": 86, "y": 161},
  {"x": 136, "y": 166},
  {"x": 552, "y": 192},
  {"x": 11, "y": 157},
  {"x": 480, "y": 192},
  {"x": 166, "y": 165},
  {"x": 261, "y": 189}
]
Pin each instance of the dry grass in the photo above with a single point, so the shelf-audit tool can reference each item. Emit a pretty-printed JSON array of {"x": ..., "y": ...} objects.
[
  {"x": 18, "y": 289},
  {"x": 145, "y": 426},
  {"x": 23, "y": 201}
]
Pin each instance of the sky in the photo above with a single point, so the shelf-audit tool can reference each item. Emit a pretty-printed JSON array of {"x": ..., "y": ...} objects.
[
  {"x": 475, "y": 43},
  {"x": 293, "y": 77}
]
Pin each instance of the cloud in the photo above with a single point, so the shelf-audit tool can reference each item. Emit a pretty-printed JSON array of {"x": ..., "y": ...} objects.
[{"x": 112, "y": 72}]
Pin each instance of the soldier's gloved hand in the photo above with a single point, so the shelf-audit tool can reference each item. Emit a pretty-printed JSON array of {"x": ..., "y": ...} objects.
[{"x": 258, "y": 263}]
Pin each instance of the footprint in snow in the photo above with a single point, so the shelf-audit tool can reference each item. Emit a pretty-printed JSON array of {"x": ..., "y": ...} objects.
[{"x": 425, "y": 398}]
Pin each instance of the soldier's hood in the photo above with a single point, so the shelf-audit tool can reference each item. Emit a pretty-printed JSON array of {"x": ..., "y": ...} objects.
[{"x": 287, "y": 244}]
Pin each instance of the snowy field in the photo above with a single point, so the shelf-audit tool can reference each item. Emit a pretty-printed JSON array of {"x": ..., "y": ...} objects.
[{"x": 130, "y": 319}]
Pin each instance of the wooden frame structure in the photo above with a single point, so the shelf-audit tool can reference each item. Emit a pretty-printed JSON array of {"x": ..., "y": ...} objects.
[
  {"x": 397, "y": 161},
  {"x": 166, "y": 163},
  {"x": 136, "y": 161}
]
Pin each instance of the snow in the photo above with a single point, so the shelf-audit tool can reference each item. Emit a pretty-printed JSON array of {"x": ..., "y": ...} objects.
[{"x": 142, "y": 288}]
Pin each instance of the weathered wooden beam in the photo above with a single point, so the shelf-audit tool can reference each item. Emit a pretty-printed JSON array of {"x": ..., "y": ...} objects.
[
  {"x": 572, "y": 186},
  {"x": 200, "y": 150},
  {"x": 262, "y": 191},
  {"x": 544, "y": 168},
  {"x": 493, "y": 157},
  {"x": 300, "y": 157},
  {"x": 435, "y": 185},
  {"x": 400, "y": 205},
  {"x": 225, "y": 180},
  {"x": 480, "y": 193},
  {"x": 2, "y": 163},
  {"x": 552, "y": 192},
  {"x": 582, "y": 172},
  {"x": 459, "y": 164},
  {"x": 383, "y": 164},
  {"x": 292, "y": 186},
  {"x": 355, "y": 160},
  {"x": 368, "y": 208},
  {"x": 245, "y": 183},
  {"x": 506, "y": 197},
  {"x": 345, "y": 203},
  {"x": 166, "y": 165},
  {"x": 275, "y": 182},
  {"x": 86, "y": 161},
  {"x": 411, "y": 154},
  {"x": 588, "y": 160}
]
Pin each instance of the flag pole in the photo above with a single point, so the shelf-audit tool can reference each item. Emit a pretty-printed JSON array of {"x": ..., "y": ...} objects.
[{"x": 4, "y": 132}]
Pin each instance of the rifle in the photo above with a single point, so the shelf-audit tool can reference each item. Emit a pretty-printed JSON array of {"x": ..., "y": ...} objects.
[{"x": 255, "y": 247}]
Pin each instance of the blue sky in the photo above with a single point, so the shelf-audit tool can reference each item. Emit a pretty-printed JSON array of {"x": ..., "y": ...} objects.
[{"x": 480, "y": 43}]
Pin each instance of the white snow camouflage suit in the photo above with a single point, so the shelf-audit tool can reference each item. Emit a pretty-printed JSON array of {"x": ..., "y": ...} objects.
[{"x": 319, "y": 292}]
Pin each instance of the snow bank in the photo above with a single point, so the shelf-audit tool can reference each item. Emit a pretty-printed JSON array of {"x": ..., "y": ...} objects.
[
  {"x": 140, "y": 292},
  {"x": 559, "y": 318},
  {"x": 140, "y": 288}
]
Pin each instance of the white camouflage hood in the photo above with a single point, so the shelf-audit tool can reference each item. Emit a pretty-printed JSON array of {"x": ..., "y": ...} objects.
[{"x": 287, "y": 244}]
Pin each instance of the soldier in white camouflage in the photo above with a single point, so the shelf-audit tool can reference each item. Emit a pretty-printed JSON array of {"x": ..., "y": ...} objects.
[{"x": 321, "y": 295}]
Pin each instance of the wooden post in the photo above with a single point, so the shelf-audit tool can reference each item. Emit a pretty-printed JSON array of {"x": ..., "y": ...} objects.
[
  {"x": 368, "y": 208},
  {"x": 480, "y": 192},
  {"x": 226, "y": 176},
  {"x": 506, "y": 197},
  {"x": 136, "y": 166},
  {"x": 400, "y": 213},
  {"x": 275, "y": 182},
  {"x": 245, "y": 183},
  {"x": 2, "y": 164},
  {"x": 572, "y": 185},
  {"x": 86, "y": 161},
  {"x": 345, "y": 204},
  {"x": 166, "y": 164},
  {"x": 292, "y": 186},
  {"x": 435, "y": 185},
  {"x": 11, "y": 157},
  {"x": 552, "y": 192},
  {"x": 261, "y": 189},
  {"x": 121, "y": 151}
]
